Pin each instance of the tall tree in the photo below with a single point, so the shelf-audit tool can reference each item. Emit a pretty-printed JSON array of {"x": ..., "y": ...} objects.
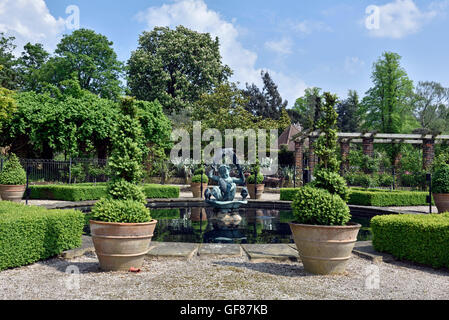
[
  {"x": 308, "y": 108},
  {"x": 349, "y": 113},
  {"x": 91, "y": 57},
  {"x": 8, "y": 74},
  {"x": 30, "y": 64},
  {"x": 267, "y": 103},
  {"x": 432, "y": 106},
  {"x": 7, "y": 103},
  {"x": 175, "y": 67},
  {"x": 387, "y": 106}
]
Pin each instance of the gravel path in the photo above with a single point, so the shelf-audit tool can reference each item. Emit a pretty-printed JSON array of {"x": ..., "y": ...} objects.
[{"x": 220, "y": 279}]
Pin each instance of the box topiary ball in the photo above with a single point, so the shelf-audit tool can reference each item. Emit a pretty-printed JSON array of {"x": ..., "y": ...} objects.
[{"x": 319, "y": 207}]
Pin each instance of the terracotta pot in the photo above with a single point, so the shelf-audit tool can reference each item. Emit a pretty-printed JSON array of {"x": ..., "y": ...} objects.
[
  {"x": 198, "y": 214},
  {"x": 252, "y": 192},
  {"x": 12, "y": 193},
  {"x": 325, "y": 250},
  {"x": 442, "y": 202},
  {"x": 121, "y": 246},
  {"x": 196, "y": 189}
]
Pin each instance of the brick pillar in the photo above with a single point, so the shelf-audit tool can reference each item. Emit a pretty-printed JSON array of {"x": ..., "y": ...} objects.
[
  {"x": 368, "y": 147},
  {"x": 344, "y": 149},
  {"x": 428, "y": 153},
  {"x": 313, "y": 159},
  {"x": 299, "y": 159}
]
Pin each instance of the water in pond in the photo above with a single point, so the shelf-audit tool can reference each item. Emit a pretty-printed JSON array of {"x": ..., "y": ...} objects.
[{"x": 264, "y": 226}]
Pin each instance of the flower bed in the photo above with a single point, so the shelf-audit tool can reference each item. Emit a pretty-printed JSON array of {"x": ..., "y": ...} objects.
[{"x": 30, "y": 234}]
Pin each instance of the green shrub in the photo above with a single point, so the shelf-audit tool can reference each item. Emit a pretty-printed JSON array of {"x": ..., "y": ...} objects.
[
  {"x": 288, "y": 194},
  {"x": 199, "y": 172},
  {"x": 124, "y": 190},
  {"x": 13, "y": 173},
  {"x": 332, "y": 182},
  {"x": 418, "y": 238},
  {"x": 384, "y": 180},
  {"x": 381, "y": 198},
  {"x": 197, "y": 179},
  {"x": 85, "y": 192},
  {"x": 120, "y": 211},
  {"x": 29, "y": 234},
  {"x": 319, "y": 207},
  {"x": 440, "y": 180},
  {"x": 252, "y": 178},
  {"x": 361, "y": 180}
]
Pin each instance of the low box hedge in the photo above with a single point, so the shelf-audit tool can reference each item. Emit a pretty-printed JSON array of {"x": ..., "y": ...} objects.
[
  {"x": 374, "y": 197},
  {"x": 29, "y": 234},
  {"x": 85, "y": 192},
  {"x": 419, "y": 238}
]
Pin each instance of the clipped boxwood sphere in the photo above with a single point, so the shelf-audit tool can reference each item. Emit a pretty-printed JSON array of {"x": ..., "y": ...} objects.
[
  {"x": 332, "y": 182},
  {"x": 319, "y": 207},
  {"x": 440, "y": 180},
  {"x": 197, "y": 179}
]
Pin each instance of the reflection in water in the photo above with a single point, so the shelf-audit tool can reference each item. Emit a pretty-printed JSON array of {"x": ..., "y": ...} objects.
[{"x": 201, "y": 225}]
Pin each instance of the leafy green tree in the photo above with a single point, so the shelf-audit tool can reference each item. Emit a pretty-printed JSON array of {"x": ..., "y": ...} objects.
[
  {"x": 349, "y": 113},
  {"x": 432, "y": 106},
  {"x": 7, "y": 103},
  {"x": 30, "y": 66},
  {"x": 175, "y": 67},
  {"x": 308, "y": 108},
  {"x": 267, "y": 103},
  {"x": 9, "y": 78},
  {"x": 91, "y": 57},
  {"x": 387, "y": 106}
]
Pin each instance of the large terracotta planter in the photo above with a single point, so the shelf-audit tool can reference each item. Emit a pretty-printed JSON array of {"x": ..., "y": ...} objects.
[
  {"x": 121, "y": 246},
  {"x": 196, "y": 189},
  {"x": 252, "y": 192},
  {"x": 12, "y": 193},
  {"x": 442, "y": 202},
  {"x": 198, "y": 214},
  {"x": 325, "y": 250}
]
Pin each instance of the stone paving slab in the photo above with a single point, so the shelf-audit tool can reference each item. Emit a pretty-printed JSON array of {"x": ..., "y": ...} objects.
[
  {"x": 87, "y": 246},
  {"x": 365, "y": 249},
  {"x": 172, "y": 250},
  {"x": 217, "y": 249},
  {"x": 281, "y": 252}
]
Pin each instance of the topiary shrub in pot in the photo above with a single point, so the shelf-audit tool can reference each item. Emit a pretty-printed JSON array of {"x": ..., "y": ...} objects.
[
  {"x": 255, "y": 186},
  {"x": 12, "y": 180},
  {"x": 322, "y": 232},
  {"x": 199, "y": 183},
  {"x": 440, "y": 188},
  {"x": 121, "y": 225},
  {"x": 332, "y": 182}
]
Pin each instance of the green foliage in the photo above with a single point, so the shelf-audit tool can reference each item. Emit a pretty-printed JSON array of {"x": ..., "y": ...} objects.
[
  {"x": 175, "y": 67},
  {"x": 120, "y": 211},
  {"x": 440, "y": 180},
  {"x": 308, "y": 108},
  {"x": 384, "y": 180},
  {"x": 9, "y": 77},
  {"x": 332, "y": 182},
  {"x": 124, "y": 190},
  {"x": 418, "y": 238},
  {"x": 252, "y": 178},
  {"x": 326, "y": 144},
  {"x": 8, "y": 104},
  {"x": 13, "y": 173},
  {"x": 30, "y": 66},
  {"x": 85, "y": 192},
  {"x": 29, "y": 234},
  {"x": 379, "y": 198},
  {"x": 348, "y": 113},
  {"x": 361, "y": 180},
  {"x": 288, "y": 194},
  {"x": 319, "y": 207},
  {"x": 197, "y": 178}
]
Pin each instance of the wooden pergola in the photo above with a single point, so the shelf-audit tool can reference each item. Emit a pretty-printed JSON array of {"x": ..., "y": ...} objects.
[{"x": 368, "y": 140}]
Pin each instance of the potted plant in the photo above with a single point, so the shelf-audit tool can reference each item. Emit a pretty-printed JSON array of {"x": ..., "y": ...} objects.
[
  {"x": 121, "y": 225},
  {"x": 322, "y": 232},
  {"x": 12, "y": 180},
  {"x": 440, "y": 188},
  {"x": 199, "y": 182},
  {"x": 255, "y": 184}
]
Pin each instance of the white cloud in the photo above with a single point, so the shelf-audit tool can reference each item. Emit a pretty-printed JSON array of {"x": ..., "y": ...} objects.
[
  {"x": 30, "y": 21},
  {"x": 195, "y": 15},
  {"x": 307, "y": 27},
  {"x": 283, "y": 46},
  {"x": 400, "y": 18},
  {"x": 353, "y": 65}
]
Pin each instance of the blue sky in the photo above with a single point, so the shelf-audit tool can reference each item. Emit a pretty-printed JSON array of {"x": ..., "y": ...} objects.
[{"x": 302, "y": 43}]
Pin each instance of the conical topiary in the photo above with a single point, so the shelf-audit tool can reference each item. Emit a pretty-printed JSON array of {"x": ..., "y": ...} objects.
[{"x": 13, "y": 173}]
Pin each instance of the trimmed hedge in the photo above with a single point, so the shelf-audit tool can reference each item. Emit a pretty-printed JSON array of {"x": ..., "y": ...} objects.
[
  {"x": 29, "y": 234},
  {"x": 85, "y": 192},
  {"x": 419, "y": 238},
  {"x": 374, "y": 198}
]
